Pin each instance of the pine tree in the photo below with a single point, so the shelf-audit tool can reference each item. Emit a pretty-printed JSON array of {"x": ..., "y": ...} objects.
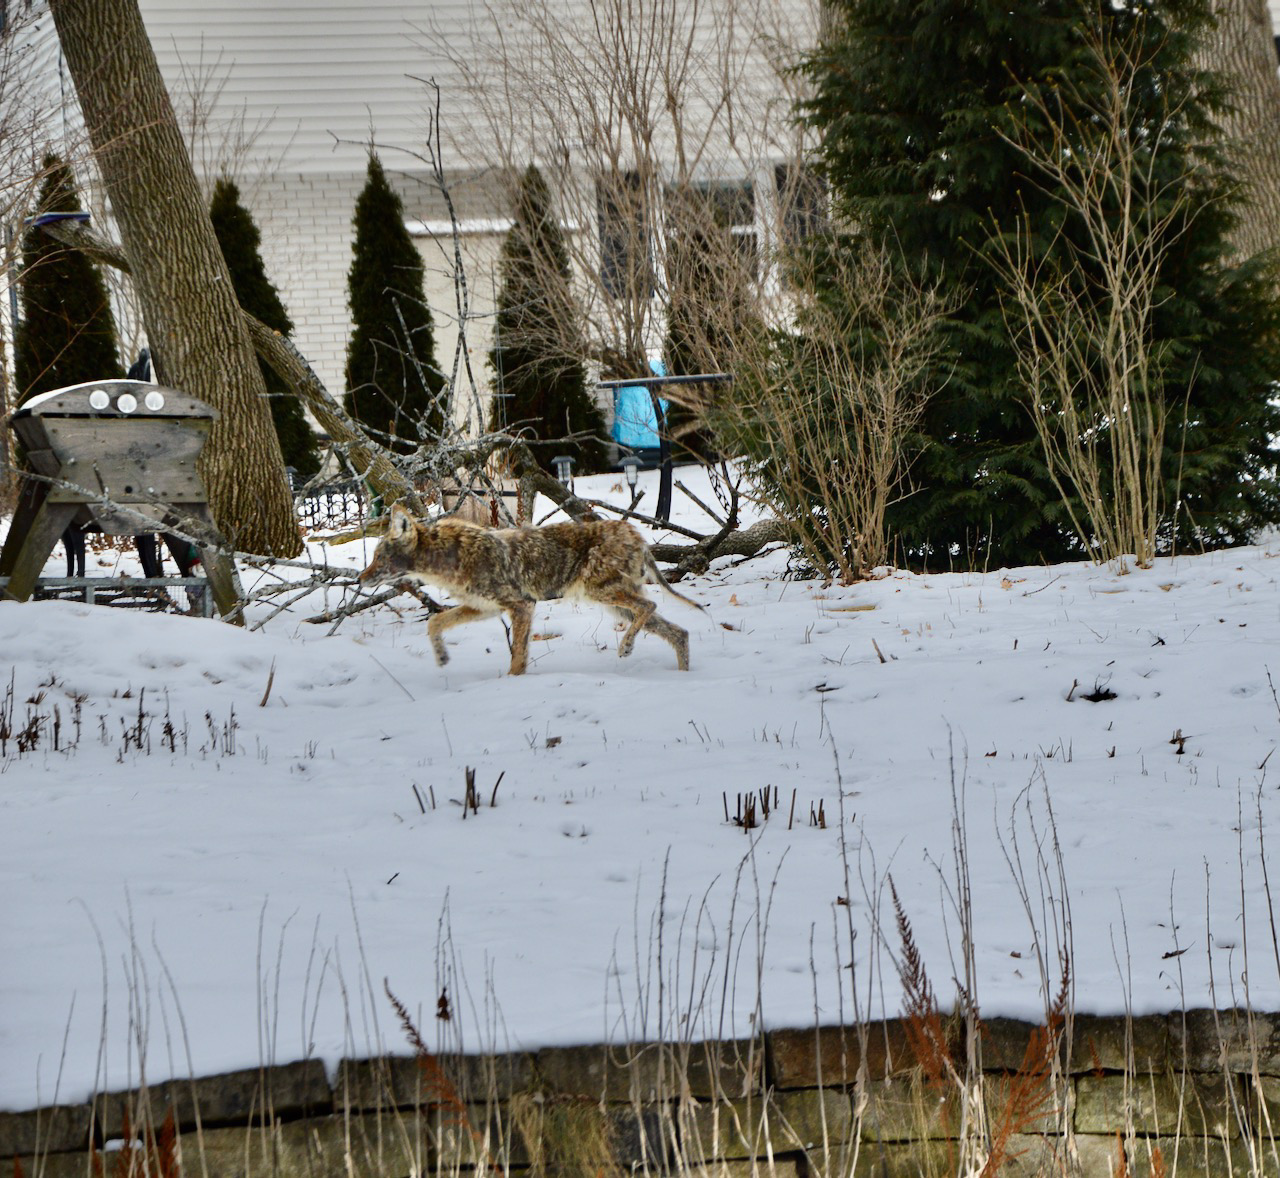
[
  {"x": 67, "y": 334},
  {"x": 915, "y": 100},
  {"x": 239, "y": 239},
  {"x": 537, "y": 358},
  {"x": 393, "y": 386}
]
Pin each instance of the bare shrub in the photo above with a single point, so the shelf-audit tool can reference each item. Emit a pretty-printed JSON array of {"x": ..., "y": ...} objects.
[
  {"x": 823, "y": 411},
  {"x": 1081, "y": 311}
]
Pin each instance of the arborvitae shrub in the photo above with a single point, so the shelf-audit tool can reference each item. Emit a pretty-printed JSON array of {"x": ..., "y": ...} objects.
[
  {"x": 240, "y": 241},
  {"x": 539, "y": 378},
  {"x": 393, "y": 386},
  {"x": 67, "y": 334}
]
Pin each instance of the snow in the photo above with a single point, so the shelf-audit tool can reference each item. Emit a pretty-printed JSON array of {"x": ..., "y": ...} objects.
[{"x": 234, "y": 889}]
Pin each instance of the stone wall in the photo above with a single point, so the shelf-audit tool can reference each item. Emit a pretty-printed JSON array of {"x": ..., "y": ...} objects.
[{"x": 1186, "y": 1094}]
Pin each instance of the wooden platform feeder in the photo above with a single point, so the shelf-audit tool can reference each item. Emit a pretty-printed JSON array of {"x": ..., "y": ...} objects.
[{"x": 103, "y": 446}]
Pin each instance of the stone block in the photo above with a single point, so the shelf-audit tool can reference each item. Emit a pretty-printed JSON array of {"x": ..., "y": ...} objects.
[
  {"x": 1154, "y": 1105},
  {"x": 1034, "y": 1156},
  {"x": 781, "y": 1167},
  {"x": 580, "y": 1135},
  {"x": 290, "y": 1090},
  {"x": 400, "y": 1081},
  {"x": 1101, "y": 1044},
  {"x": 807, "y": 1121},
  {"x": 647, "y": 1072},
  {"x": 830, "y": 1056},
  {"x": 57, "y": 1129},
  {"x": 883, "y": 1159},
  {"x": 909, "y": 1109},
  {"x": 390, "y": 1144},
  {"x": 1186, "y": 1156},
  {"x": 54, "y": 1165},
  {"x": 1005, "y": 1042},
  {"x": 1209, "y": 1041},
  {"x": 314, "y": 1148}
]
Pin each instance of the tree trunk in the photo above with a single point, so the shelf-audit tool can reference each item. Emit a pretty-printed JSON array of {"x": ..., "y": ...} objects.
[
  {"x": 194, "y": 327},
  {"x": 1243, "y": 49}
]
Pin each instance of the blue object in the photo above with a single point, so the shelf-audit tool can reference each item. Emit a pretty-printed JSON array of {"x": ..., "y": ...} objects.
[{"x": 635, "y": 424}]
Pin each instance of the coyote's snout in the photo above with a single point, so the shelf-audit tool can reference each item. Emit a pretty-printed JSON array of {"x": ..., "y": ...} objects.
[{"x": 511, "y": 569}]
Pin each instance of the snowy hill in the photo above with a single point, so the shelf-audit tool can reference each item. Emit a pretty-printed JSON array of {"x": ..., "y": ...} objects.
[{"x": 220, "y": 841}]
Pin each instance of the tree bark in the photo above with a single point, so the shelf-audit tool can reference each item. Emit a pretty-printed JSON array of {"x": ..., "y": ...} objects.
[
  {"x": 194, "y": 327},
  {"x": 1243, "y": 49}
]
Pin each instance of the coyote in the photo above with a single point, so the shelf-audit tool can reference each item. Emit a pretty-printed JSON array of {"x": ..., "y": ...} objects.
[{"x": 511, "y": 569}]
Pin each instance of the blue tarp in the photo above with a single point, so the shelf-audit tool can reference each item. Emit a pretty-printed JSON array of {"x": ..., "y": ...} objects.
[{"x": 635, "y": 425}]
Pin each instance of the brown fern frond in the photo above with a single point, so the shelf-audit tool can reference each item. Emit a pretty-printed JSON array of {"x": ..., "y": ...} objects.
[
  {"x": 17, "y": 1168},
  {"x": 1056, "y": 1015},
  {"x": 922, "y": 1022},
  {"x": 1030, "y": 1099},
  {"x": 1122, "y": 1166},
  {"x": 166, "y": 1148},
  {"x": 1158, "y": 1168},
  {"x": 441, "y": 1092}
]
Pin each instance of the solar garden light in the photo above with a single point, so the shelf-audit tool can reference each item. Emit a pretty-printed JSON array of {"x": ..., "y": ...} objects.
[
  {"x": 631, "y": 472},
  {"x": 564, "y": 469}
]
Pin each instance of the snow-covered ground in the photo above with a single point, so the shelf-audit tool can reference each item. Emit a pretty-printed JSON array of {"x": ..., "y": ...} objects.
[{"x": 217, "y": 875}]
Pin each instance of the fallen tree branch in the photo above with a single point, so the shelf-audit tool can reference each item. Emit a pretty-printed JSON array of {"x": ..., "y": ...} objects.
[{"x": 745, "y": 542}]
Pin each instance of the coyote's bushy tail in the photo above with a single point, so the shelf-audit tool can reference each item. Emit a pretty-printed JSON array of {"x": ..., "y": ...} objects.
[{"x": 654, "y": 576}]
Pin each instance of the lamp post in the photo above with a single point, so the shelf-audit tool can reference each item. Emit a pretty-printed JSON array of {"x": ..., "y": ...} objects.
[
  {"x": 631, "y": 472},
  {"x": 564, "y": 470}
]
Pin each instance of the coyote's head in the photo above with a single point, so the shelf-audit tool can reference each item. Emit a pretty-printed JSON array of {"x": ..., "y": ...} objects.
[{"x": 393, "y": 559}]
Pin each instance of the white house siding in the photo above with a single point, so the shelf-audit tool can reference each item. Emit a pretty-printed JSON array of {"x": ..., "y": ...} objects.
[
  {"x": 312, "y": 82},
  {"x": 301, "y": 87}
]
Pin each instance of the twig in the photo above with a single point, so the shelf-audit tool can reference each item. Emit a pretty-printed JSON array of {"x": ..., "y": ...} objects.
[
  {"x": 715, "y": 515},
  {"x": 1033, "y": 592},
  {"x": 395, "y": 680},
  {"x": 361, "y": 603},
  {"x": 271, "y": 678}
]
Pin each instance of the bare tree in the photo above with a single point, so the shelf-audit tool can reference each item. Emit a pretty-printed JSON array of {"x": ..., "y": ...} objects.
[
  {"x": 194, "y": 326},
  {"x": 830, "y": 405},
  {"x": 642, "y": 117}
]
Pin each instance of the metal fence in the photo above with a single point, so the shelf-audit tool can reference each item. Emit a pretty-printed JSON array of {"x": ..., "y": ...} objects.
[{"x": 340, "y": 504}]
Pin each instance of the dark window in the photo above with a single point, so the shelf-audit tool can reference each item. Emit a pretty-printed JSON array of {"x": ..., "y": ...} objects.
[
  {"x": 625, "y": 268},
  {"x": 717, "y": 209},
  {"x": 802, "y": 202}
]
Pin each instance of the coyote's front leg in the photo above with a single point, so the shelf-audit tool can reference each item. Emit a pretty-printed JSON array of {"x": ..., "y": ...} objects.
[
  {"x": 446, "y": 620},
  {"x": 521, "y": 623}
]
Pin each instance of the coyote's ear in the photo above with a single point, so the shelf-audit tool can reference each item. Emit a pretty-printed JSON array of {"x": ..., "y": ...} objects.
[{"x": 401, "y": 525}]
